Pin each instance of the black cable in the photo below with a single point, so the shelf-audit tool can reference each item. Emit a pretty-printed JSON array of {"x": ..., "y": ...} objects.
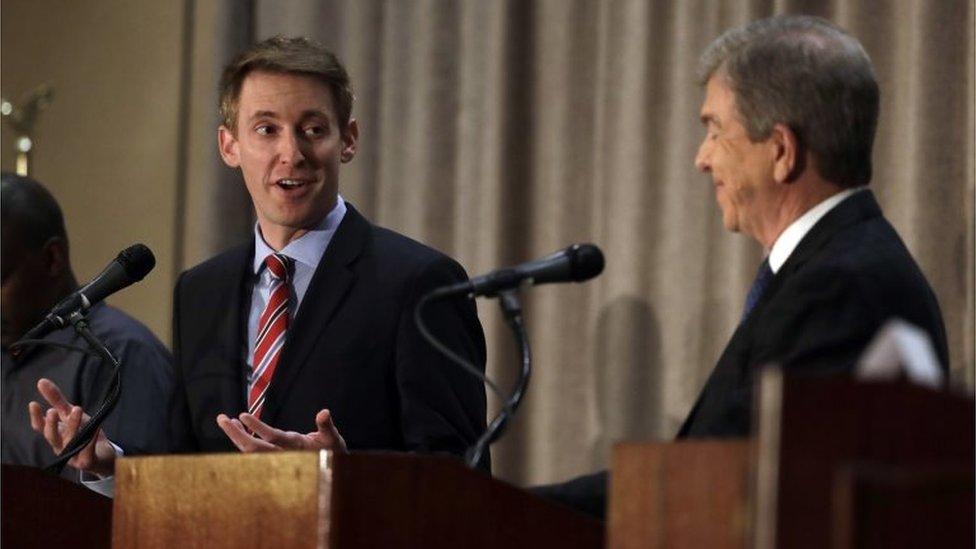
[
  {"x": 436, "y": 343},
  {"x": 88, "y": 431},
  {"x": 512, "y": 310},
  {"x": 20, "y": 345}
]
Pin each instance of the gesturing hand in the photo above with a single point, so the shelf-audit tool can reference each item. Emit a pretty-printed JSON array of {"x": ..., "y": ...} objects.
[
  {"x": 267, "y": 438},
  {"x": 61, "y": 422}
]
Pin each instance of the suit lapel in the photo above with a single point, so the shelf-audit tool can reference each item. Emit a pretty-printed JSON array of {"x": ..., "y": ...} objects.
[
  {"x": 232, "y": 326},
  {"x": 855, "y": 209},
  {"x": 330, "y": 284},
  {"x": 213, "y": 311},
  {"x": 239, "y": 323}
]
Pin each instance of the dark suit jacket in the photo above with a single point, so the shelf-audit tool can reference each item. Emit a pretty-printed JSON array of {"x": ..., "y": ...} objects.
[
  {"x": 847, "y": 276},
  {"x": 353, "y": 348}
]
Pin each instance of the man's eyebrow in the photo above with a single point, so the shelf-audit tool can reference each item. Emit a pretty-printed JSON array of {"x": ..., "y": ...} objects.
[
  {"x": 263, "y": 114},
  {"x": 310, "y": 113}
]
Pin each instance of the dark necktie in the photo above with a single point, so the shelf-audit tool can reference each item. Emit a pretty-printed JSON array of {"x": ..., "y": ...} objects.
[{"x": 763, "y": 277}]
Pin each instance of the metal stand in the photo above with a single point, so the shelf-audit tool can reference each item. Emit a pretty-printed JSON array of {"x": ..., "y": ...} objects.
[
  {"x": 109, "y": 400},
  {"x": 512, "y": 310}
]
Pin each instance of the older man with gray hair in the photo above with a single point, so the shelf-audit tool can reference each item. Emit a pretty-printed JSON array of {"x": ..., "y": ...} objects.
[{"x": 790, "y": 112}]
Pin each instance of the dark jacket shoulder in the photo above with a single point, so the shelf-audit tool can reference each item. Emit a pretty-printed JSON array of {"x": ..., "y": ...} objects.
[{"x": 226, "y": 263}]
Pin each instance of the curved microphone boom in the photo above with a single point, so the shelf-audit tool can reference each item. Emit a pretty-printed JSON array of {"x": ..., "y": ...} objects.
[
  {"x": 130, "y": 266},
  {"x": 576, "y": 263}
]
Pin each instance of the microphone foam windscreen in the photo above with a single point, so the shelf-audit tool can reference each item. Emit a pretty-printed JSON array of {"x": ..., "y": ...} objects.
[
  {"x": 137, "y": 260},
  {"x": 587, "y": 262}
]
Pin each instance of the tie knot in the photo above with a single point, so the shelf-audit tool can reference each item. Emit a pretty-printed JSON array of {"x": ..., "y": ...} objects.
[{"x": 278, "y": 265}]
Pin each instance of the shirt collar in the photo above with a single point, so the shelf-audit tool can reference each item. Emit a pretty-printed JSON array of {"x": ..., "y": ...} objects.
[
  {"x": 307, "y": 249},
  {"x": 791, "y": 237}
]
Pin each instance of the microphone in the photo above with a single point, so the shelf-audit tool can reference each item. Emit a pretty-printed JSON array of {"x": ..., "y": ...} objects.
[
  {"x": 130, "y": 266},
  {"x": 576, "y": 263}
]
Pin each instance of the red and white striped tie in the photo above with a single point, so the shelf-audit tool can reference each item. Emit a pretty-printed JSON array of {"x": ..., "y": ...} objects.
[{"x": 272, "y": 329}]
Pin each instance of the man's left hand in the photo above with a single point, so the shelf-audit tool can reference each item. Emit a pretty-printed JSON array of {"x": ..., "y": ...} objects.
[{"x": 266, "y": 438}]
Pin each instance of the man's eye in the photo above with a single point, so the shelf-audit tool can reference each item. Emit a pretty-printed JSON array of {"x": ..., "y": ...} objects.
[
  {"x": 265, "y": 130},
  {"x": 313, "y": 131}
]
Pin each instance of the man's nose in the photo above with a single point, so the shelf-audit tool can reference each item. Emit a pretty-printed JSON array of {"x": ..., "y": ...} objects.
[
  {"x": 702, "y": 162},
  {"x": 291, "y": 149}
]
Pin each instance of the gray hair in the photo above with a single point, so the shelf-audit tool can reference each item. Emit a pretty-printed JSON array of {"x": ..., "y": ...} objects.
[{"x": 806, "y": 73}]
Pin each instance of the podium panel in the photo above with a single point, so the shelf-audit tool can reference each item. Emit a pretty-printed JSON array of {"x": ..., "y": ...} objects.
[
  {"x": 318, "y": 499},
  {"x": 222, "y": 500},
  {"x": 871, "y": 450},
  {"x": 884, "y": 507},
  {"x": 680, "y": 494}
]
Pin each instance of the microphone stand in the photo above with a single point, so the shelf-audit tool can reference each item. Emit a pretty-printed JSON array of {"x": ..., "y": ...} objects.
[
  {"x": 511, "y": 308},
  {"x": 512, "y": 311},
  {"x": 87, "y": 432}
]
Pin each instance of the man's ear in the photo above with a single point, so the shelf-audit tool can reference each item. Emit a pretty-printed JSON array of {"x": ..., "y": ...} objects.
[
  {"x": 228, "y": 146},
  {"x": 788, "y": 154},
  {"x": 56, "y": 258},
  {"x": 350, "y": 139}
]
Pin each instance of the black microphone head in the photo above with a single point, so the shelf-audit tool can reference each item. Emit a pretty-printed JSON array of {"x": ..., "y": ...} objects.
[
  {"x": 137, "y": 260},
  {"x": 586, "y": 261}
]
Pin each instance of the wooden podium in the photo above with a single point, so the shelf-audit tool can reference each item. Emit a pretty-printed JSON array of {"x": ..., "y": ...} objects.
[
  {"x": 310, "y": 499},
  {"x": 834, "y": 463}
]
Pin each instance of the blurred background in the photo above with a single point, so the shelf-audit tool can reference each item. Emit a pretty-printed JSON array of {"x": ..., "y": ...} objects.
[{"x": 497, "y": 131}]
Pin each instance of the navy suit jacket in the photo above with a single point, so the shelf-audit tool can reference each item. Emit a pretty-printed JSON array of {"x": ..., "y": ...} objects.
[
  {"x": 353, "y": 348},
  {"x": 848, "y": 275}
]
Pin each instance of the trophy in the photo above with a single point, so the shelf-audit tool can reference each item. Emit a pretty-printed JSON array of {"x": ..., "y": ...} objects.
[{"x": 22, "y": 118}]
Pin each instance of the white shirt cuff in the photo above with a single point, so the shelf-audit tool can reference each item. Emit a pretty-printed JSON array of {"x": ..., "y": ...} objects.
[{"x": 97, "y": 483}]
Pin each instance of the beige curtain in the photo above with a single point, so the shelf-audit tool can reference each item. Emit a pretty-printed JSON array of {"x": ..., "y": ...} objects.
[{"x": 499, "y": 131}]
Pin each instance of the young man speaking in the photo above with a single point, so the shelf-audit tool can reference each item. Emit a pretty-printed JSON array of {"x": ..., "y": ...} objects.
[{"x": 304, "y": 337}]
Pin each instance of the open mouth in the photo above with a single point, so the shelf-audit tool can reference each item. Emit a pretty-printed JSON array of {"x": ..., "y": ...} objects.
[{"x": 290, "y": 184}]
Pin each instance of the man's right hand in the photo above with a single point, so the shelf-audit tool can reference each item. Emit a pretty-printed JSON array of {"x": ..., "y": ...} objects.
[{"x": 61, "y": 422}]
